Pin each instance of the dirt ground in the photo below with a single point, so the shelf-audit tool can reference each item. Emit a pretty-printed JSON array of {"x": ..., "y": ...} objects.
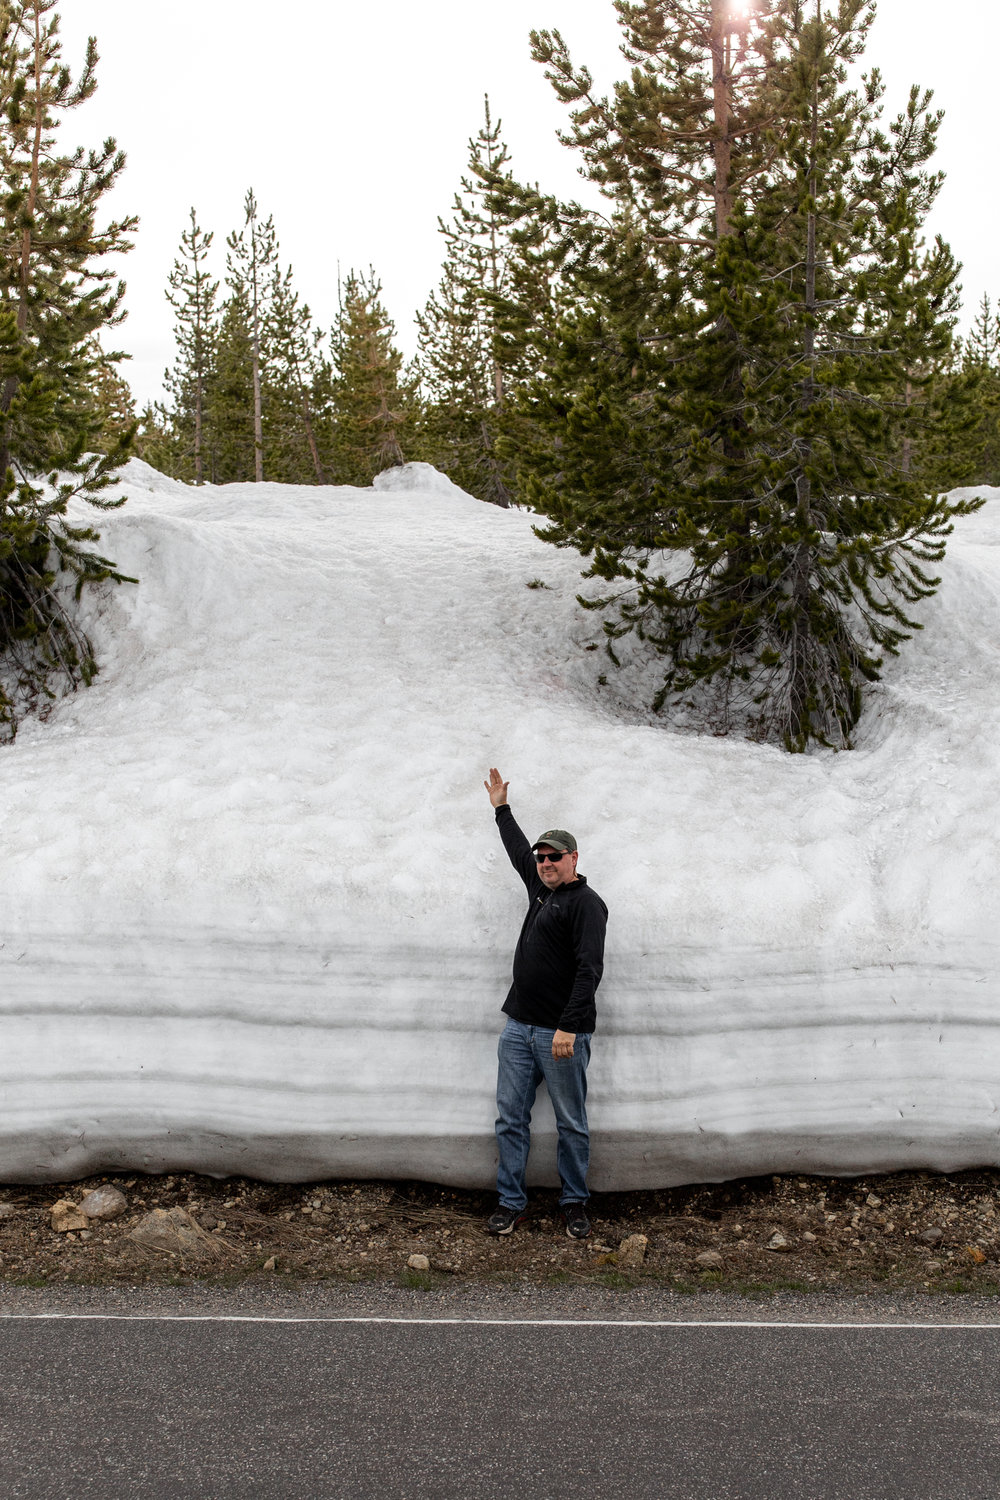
[{"x": 914, "y": 1230}]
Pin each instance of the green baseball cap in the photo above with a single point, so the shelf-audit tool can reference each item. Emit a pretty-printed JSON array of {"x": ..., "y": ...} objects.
[{"x": 557, "y": 838}]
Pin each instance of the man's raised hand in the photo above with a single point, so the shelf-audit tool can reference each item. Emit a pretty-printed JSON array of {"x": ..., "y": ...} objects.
[{"x": 497, "y": 787}]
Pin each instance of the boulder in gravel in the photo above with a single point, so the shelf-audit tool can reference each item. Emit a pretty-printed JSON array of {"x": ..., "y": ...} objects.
[
  {"x": 932, "y": 1236},
  {"x": 709, "y": 1260},
  {"x": 174, "y": 1232},
  {"x": 64, "y": 1216},
  {"x": 778, "y": 1243},
  {"x": 632, "y": 1251},
  {"x": 419, "y": 1263},
  {"x": 105, "y": 1202},
  {"x": 7, "y": 1210}
]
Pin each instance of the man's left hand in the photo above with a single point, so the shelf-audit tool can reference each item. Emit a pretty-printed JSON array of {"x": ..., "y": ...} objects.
[{"x": 562, "y": 1043}]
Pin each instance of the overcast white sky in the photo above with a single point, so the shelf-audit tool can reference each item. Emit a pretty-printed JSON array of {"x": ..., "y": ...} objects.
[{"x": 351, "y": 123}]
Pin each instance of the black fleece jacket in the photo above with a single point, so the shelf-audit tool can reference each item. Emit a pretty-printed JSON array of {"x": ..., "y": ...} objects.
[{"x": 559, "y": 957}]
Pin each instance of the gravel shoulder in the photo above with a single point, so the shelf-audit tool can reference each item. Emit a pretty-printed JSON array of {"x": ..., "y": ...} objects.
[{"x": 910, "y": 1234}]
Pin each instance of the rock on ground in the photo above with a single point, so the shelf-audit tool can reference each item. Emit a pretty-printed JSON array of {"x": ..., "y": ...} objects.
[
  {"x": 104, "y": 1203},
  {"x": 173, "y": 1231},
  {"x": 710, "y": 1260},
  {"x": 632, "y": 1250},
  {"x": 66, "y": 1216}
]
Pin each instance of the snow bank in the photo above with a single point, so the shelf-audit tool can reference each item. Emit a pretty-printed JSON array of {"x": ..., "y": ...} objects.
[{"x": 255, "y": 915}]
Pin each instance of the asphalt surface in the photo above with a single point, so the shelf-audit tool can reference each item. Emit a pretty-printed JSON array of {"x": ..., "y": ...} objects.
[{"x": 163, "y": 1394}]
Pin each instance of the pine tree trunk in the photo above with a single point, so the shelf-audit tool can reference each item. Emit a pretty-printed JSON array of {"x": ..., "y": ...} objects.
[
  {"x": 258, "y": 421},
  {"x": 495, "y": 490},
  {"x": 497, "y": 385},
  {"x": 36, "y": 147},
  {"x": 494, "y": 270},
  {"x": 198, "y": 398},
  {"x": 734, "y": 585},
  {"x": 311, "y": 438},
  {"x": 721, "y": 23},
  {"x": 199, "y": 359},
  {"x": 10, "y": 384},
  {"x": 907, "y": 440},
  {"x": 798, "y": 693}
]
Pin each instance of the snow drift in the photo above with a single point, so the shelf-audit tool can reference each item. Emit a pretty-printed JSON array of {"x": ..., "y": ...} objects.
[{"x": 255, "y": 917}]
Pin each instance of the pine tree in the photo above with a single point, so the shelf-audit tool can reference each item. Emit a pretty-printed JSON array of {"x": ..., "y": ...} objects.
[
  {"x": 747, "y": 363},
  {"x": 252, "y": 256},
  {"x": 372, "y": 401},
  {"x": 192, "y": 294},
  {"x": 460, "y": 354},
  {"x": 113, "y": 402},
  {"x": 231, "y": 449},
  {"x": 981, "y": 349},
  {"x": 296, "y": 388},
  {"x": 56, "y": 294},
  {"x": 153, "y": 441},
  {"x": 980, "y": 357}
]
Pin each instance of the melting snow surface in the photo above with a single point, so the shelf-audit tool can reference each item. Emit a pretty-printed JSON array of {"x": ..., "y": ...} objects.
[{"x": 255, "y": 916}]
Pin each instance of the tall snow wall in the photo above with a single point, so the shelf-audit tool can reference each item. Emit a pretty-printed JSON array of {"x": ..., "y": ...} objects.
[{"x": 255, "y": 918}]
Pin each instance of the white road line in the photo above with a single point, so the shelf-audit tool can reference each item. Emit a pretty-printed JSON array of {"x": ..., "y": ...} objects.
[{"x": 58, "y": 1317}]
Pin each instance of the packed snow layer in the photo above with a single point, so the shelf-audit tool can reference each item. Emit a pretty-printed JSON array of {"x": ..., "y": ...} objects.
[{"x": 255, "y": 917}]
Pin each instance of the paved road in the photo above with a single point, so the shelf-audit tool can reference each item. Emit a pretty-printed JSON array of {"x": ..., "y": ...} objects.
[{"x": 148, "y": 1407}]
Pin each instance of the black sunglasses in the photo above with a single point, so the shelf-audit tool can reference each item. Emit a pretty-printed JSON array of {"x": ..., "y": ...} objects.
[{"x": 555, "y": 856}]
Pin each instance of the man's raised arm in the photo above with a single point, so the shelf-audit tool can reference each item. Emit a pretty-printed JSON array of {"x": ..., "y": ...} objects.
[{"x": 517, "y": 846}]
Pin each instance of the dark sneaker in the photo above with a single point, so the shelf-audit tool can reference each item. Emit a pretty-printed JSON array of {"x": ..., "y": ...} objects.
[
  {"x": 505, "y": 1220},
  {"x": 576, "y": 1221}
]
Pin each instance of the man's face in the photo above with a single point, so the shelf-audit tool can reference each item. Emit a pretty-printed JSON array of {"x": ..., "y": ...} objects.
[{"x": 558, "y": 869}]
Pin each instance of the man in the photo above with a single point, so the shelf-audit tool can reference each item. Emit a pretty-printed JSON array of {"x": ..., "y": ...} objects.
[{"x": 551, "y": 1014}]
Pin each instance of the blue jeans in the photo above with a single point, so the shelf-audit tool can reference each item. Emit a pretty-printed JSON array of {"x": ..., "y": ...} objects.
[{"x": 525, "y": 1056}]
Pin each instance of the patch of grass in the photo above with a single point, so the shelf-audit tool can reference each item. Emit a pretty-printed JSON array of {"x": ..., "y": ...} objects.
[
  {"x": 615, "y": 1281},
  {"x": 419, "y": 1281},
  {"x": 577, "y": 1276},
  {"x": 234, "y": 1276},
  {"x": 770, "y": 1286},
  {"x": 95, "y": 1278},
  {"x": 566, "y": 1278}
]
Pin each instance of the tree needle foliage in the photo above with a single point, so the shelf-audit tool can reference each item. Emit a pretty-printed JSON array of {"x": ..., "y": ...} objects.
[{"x": 59, "y": 434}]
